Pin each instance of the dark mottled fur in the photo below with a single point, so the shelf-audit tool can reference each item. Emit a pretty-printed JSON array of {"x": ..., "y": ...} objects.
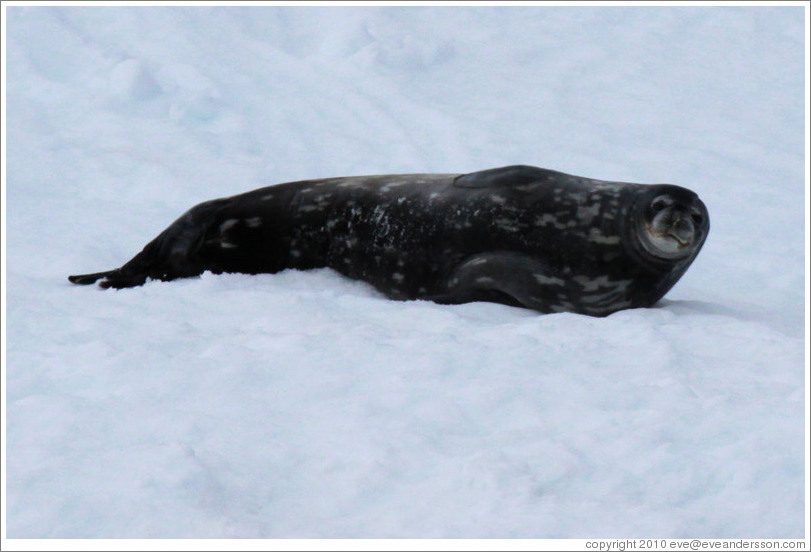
[{"x": 517, "y": 235}]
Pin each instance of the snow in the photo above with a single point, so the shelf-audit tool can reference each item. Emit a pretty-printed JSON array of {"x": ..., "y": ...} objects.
[{"x": 305, "y": 405}]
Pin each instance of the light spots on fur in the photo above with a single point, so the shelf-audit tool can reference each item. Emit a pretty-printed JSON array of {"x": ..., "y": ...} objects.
[
  {"x": 228, "y": 224},
  {"x": 527, "y": 187},
  {"x": 389, "y": 185},
  {"x": 351, "y": 183},
  {"x": 548, "y": 219},
  {"x": 587, "y": 213},
  {"x": 545, "y": 280},
  {"x": 507, "y": 224},
  {"x": 601, "y": 283},
  {"x": 596, "y": 236}
]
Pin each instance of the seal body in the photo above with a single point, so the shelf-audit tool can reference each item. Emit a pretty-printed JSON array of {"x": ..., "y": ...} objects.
[{"x": 517, "y": 235}]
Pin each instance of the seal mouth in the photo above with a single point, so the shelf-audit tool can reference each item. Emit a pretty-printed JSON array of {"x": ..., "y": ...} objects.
[
  {"x": 669, "y": 233},
  {"x": 682, "y": 242},
  {"x": 672, "y": 241}
]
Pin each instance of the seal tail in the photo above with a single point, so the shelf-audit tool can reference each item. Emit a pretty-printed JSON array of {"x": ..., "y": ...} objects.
[{"x": 173, "y": 254}]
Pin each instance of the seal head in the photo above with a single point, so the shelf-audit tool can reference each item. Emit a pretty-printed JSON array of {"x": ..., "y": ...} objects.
[{"x": 670, "y": 224}]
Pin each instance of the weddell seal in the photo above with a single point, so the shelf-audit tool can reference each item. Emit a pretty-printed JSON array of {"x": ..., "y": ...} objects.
[{"x": 517, "y": 235}]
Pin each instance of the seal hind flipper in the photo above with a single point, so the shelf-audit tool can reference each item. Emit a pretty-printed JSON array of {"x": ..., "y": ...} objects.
[
  {"x": 173, "y": 254},
  {"x": 116, "y": 278},
  {"x": 514, "y": 175},
  {"x": 87, "y": 279}
]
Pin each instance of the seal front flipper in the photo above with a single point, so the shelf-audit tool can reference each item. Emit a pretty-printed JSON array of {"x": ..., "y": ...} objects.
[
  {"x": 507, "y": 277},
  {"x": 462, "y": 296},
  {"x": 173, "y": 254},
  {"x": 514, "y": 175}
]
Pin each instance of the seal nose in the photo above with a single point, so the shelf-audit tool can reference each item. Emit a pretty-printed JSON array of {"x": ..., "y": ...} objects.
[{"x": 683, "y": 229}]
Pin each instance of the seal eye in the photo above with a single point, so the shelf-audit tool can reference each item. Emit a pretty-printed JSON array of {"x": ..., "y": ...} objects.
[
  {"x": 697, "y": 218},
  {"x": 658, "y": 204}
]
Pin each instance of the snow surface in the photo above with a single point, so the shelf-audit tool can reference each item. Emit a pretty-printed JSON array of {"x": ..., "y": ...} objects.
[{"x": 306, "y": 405}]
